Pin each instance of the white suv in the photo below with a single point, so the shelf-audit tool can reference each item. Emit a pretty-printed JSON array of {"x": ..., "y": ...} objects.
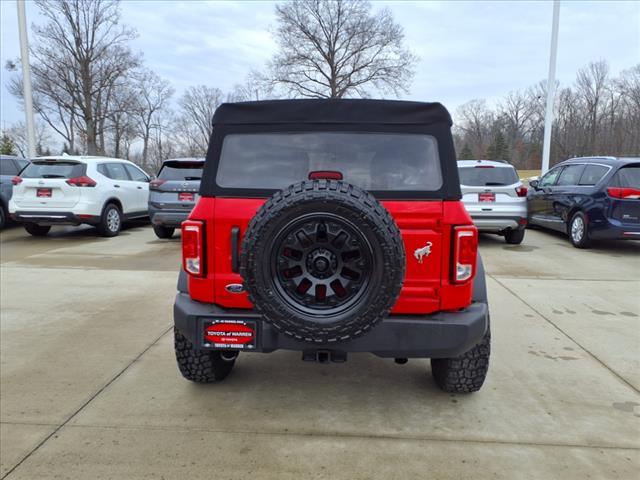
[
  {"x": 71, "y": 190},
  {"x": 495, "y": 197}
]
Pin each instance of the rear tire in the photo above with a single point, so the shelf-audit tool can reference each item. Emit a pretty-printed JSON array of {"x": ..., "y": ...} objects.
[
  {"x": 111, "y": 221},
  {"x": 514, "y": 237},
  {"x": 163, "y": 232},
  {"x": 465, "y": 373},
  {"x": 200, "y": 366},
  {"x": 577, "y": 230},
  {"x": 37, "y": 230}
]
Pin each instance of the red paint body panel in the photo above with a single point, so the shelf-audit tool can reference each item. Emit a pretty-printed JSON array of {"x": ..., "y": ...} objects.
[{"x": 427, "y": 287}]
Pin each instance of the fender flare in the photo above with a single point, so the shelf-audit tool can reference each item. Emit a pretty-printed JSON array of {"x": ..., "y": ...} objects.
[
  {"x": 182, "y": 286},
  {"x": 480, "y": 283}
]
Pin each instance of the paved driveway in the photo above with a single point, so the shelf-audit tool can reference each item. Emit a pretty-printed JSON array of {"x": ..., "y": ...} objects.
[{"x": 89, "y": 386}]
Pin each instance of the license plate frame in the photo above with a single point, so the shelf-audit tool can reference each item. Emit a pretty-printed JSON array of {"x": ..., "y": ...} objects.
[
  {"x": 186, "y": 197},
  {"x": 229, "y": 334},
  {"x": 486, "y": 197},
  {"x": 44, "y": 193}
]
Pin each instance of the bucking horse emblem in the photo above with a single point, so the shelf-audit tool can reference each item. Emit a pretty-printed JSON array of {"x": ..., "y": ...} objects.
[{"x": 422, "y": 252}]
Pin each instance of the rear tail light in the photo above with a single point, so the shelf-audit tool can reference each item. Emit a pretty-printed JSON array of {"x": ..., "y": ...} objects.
[
  {"x": 156, "y": 183},
  {"x": 192, "y": 247},
  {"x": 16, "y": 180},
  {"x": 82, "y": 181},
  {"x": 465, "y": 248},
  {"x": 624, "y": 193},
  {"x": 521, "y": 191}
]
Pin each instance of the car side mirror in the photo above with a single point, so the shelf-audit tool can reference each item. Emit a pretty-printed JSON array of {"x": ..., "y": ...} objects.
[
  {"x": 533, "y": 184},
  {"x": 151, "y": 177}
]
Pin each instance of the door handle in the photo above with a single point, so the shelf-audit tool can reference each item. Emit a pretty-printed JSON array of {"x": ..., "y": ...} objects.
[
  {"x": 117, "y": 186},
  {"x": 139, "y": 188}
]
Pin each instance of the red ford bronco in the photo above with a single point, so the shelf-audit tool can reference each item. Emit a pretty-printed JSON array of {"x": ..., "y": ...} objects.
[{"x": 330, "y": 227}]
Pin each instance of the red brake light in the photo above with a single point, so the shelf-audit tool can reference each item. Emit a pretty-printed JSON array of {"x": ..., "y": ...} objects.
[
  {"x": 16, "y": 180},
  {"x": 82, "y": 181},
  {"x": 156, "y": 183},
  {"x": 325, "y": 174},
  {"x": 483, "y": 166},
  {"x": 521, "y": 191},
  {"x": 465, "y": 248},
  {"x": 192, "y": 247},
  {"x": 624, "y": 193}
]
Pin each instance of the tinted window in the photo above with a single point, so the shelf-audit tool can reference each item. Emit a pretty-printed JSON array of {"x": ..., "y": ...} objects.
[
  {"x": 593, "y": 174},
  {"x": 21, "y": 163},
  {"x": 136, "y": 174},
  {"x": 374, "y": 161},
  {"x": 550, "y": 178},
  {"x": 114, "y": 171},
  {"x": 181, "y": 171},
  {"x": 482, "y": 176},
  {"x": 570, "y": 175},
  {"x": 627, "y": 177},
  {"x": 48, "y": 169},
  {"x": 7, "y": 167}
]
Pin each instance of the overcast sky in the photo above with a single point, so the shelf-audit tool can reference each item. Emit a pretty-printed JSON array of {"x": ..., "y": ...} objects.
[{"x": 467, "y": 49}]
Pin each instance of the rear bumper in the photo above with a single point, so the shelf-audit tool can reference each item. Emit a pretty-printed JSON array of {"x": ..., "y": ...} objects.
[
  {"x": 613, "y": 229},
  {"x": 499, "y": 223},
  {"x": 167, "y": 218},
  {"x": 441, "y": 335},
  {"x": 54, "y": 218}
]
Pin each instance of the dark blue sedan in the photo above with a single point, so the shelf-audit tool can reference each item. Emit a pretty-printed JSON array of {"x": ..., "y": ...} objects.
[{"x": 589, "y": 199}]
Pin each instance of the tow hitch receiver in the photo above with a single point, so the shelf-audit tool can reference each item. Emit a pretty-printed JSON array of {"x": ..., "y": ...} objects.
[{"x": 324, "y": 356}]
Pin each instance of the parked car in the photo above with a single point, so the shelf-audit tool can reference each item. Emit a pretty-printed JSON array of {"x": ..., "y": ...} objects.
[
  {"x": 10, "y": 166},
  {"x": 174, "y": 193},
  {"x": 589, "y": 198},
  {"x": 495, "y": 198},
  {"x": 298, "y": 241},
  {"x": 72, "y": 190}
]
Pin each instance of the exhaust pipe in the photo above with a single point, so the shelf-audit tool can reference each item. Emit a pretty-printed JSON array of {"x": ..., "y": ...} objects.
[{"x": 228, "y": 356}]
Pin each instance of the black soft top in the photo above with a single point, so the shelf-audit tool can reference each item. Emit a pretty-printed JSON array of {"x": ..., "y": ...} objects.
[{"x": 331, "y": 111}]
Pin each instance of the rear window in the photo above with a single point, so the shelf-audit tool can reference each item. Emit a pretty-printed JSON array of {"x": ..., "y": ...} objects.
[
  {"x": 593, "y": 174},
  {"x": 181, "y": 171},
  {"x": 38, "y": 169},
  {"x": 627, "y": 177},
  {"x": 373, "y": 161},
  {"x": 485, "y": 176},
  {"x": 7, "y": 167}
]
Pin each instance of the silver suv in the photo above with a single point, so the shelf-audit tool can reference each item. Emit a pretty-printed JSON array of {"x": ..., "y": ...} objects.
[
  {"x": 173, "y": 194},
  {"x": 495, "y": 197}
]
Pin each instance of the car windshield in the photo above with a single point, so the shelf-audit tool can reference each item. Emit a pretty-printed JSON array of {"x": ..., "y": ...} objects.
[
  {"x": 181, "y": 171},
  {"x": 49, "y": 169},
  {"x": 628, "y": 177},
  {"x": 373, "y": 161},
  {"x": 484, "y": 176}
]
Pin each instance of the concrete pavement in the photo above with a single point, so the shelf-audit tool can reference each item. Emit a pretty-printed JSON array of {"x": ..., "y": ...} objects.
[{"x": 89, "y": 387}]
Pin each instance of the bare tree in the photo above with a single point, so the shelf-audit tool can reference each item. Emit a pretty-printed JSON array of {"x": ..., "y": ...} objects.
[
  {"x": 476, "y": 121},
  {"x": 339, "y": 48},
  {"x": 80, "y": 57},
  {"x": 153, "y": 95},
  {"x": 197, "y": 106},
  {"x": 591, "y": 85},
  {"x": 255, "y": 87},
  {"x": 18, "y": 135}
]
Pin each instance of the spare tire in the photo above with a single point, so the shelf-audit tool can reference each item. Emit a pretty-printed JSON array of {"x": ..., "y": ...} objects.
[{"x": 323, "y": 261}]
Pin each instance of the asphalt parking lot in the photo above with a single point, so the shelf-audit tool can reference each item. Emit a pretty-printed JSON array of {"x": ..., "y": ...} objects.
[{"x": 89, "y": 386}]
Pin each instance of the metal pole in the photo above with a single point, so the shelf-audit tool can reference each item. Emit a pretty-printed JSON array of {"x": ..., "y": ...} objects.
[
  {"x": 26, "y": 78},
  {"x": 551, "y": 88}
]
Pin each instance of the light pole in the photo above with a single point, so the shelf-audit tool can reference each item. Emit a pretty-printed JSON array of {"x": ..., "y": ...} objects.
[
  {"x": 551, "y": 88},
  {"x": 26, "y": 78}
]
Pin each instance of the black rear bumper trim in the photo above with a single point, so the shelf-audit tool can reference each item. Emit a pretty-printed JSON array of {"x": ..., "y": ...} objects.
[{"x": 440, "y": 335}]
